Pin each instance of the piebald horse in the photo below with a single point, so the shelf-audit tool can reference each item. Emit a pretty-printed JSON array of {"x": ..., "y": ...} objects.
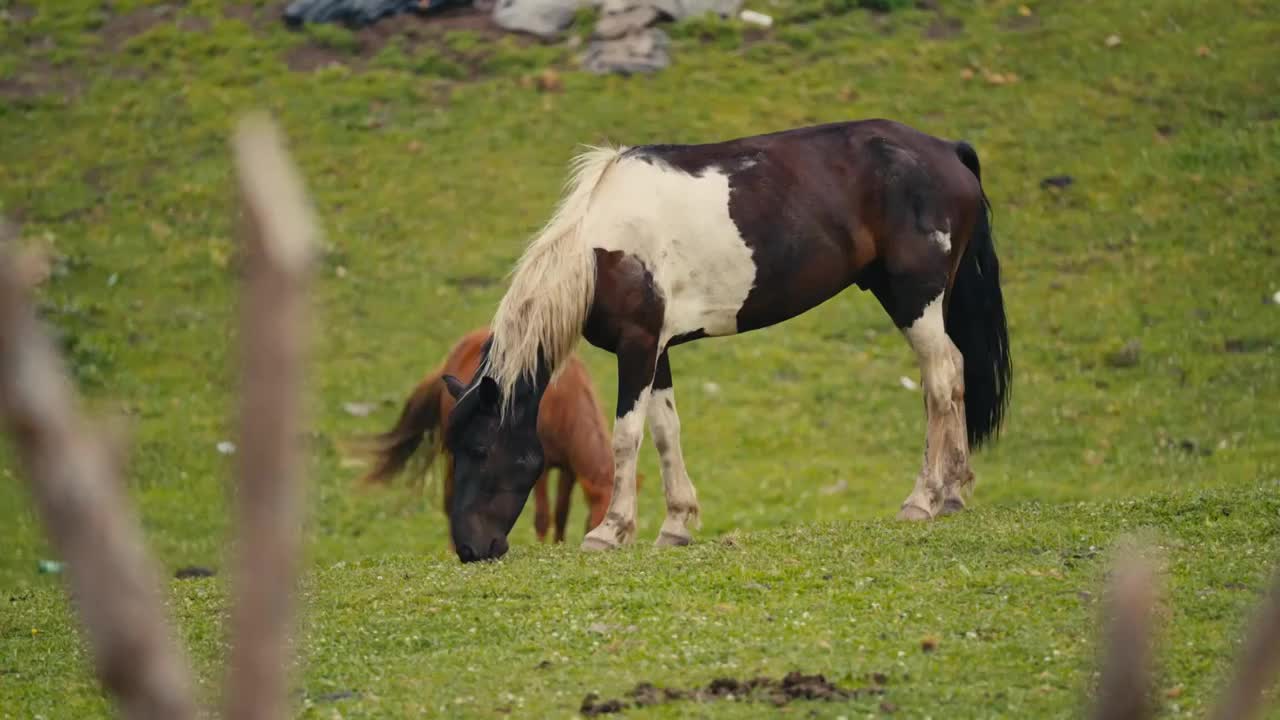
[{"x": 658, "y": 245}]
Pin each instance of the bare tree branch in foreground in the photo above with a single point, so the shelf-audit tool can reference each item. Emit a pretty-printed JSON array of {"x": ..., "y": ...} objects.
[
  {"x": 1125, "y": 688},
  {"x": 1256, "y": 668},
  {"x": 74, "y": 475},
  {"x": 74, "y": 480},
  {"x": 279, "y": 238}
]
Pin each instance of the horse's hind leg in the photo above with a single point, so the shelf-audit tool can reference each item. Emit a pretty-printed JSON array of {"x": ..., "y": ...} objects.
[
  {"x": 946, "y": 455},
  {"x": 564, "y": 497},
  {"x": 958, "y": 477},
  {"x": 910, "y": 285},
  {"x": 637, "y": 357},
  {"x": 664, "y": 423}
]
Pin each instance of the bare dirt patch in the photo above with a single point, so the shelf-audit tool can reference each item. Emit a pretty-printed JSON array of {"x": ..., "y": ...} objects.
[
  {"x": 121, "y": 28},
  {"x": 944, "y": 28},
  {"x": 39, "y": 79},
  {"x": 412, "y": 31},
  {"x": 1022, "y": 23},
  {"x": 793, "y": 686}
]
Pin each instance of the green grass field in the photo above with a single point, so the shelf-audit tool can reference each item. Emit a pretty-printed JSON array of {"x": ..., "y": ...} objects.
[{"x": 432, "y": 159}]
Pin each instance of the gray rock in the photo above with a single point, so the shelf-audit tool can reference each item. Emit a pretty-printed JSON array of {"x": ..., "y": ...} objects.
[
  {"x": 642, "y": 52},
  {"x": 544, "y": 18}
]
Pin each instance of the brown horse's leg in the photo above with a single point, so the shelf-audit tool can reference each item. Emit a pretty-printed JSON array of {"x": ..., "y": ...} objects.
[
  {"x": 541, "y": 510},
  {"x": 946, "y": 456},
  {"x": 664, "y": 423},
  {"x": 597, "y": 504},
  {"x": 564, "y": 496}
]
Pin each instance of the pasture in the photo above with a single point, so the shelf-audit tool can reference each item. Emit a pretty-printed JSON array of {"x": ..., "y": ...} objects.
[{"x": 1142, "y": 311}]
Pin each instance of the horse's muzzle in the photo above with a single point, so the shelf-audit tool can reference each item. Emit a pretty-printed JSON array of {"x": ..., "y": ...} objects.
[{"x": 496, "y": 548}]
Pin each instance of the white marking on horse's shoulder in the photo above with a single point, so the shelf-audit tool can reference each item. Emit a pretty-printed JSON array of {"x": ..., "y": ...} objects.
[{"x": 679, "y": 226}]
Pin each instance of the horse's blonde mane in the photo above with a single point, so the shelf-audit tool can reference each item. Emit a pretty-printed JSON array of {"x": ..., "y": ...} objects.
[{"x": 552, "y": 285}]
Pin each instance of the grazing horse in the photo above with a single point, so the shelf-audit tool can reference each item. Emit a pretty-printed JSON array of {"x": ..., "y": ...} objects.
[
  {"x": 571, "y": 428},
  {"x": 658, "y": 245}
]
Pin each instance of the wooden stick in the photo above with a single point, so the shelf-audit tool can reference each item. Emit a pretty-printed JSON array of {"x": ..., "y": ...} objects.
[
  {"x": 1256, "y": 667},
  {"x": 74, "y": 477},
  {"x": 1124, "y": 690},
  {"x": 279, "y": 235}
]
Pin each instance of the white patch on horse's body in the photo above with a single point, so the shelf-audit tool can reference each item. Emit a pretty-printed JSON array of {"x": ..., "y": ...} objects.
[
  {"x": 619, "y": 524},
  {"x": 943, "y": 239},
  {"x": 678, "y": 225},
  {"x": 682, "y": 499}
]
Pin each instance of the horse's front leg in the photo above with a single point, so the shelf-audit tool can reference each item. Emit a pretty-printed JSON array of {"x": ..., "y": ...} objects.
[
  {"x": 637, "y": 358},
  {"x": 664, "y": 424}
]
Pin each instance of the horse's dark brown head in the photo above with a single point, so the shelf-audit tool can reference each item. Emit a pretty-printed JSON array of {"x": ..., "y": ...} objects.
[{"x": 497, "y": 460}]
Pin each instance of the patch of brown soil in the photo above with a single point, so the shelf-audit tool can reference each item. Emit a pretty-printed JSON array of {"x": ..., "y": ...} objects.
[
  {"x": 412, "y": 30},
  {"x": 308, "y": 58},
  {"x": 1022, "y": 23},
  {"x": 120, "y": 28},
  {"x": 18, "y": 13},
  {"x": 251, "y": 14},
  {"x": 794, "y": 686},
  {"x": 39, "y": 79},
  {"x": 944, "y": 28}
]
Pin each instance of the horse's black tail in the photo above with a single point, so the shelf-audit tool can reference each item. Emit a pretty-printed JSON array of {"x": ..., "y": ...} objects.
[{"x": 975, "y": 322}]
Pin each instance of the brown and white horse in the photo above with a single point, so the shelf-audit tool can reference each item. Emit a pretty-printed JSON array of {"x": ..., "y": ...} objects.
[
  {"x": 571, "y": 429},
  {"x": 658, "y": 245}
]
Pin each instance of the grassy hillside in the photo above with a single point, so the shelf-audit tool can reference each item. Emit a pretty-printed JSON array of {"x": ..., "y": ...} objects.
[{"x": 1145, "y": 346}]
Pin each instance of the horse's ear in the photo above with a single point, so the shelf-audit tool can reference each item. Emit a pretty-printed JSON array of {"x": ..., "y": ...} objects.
[
  {"x": 488, "y": 390},
  {"x": 455, "y": 386}
]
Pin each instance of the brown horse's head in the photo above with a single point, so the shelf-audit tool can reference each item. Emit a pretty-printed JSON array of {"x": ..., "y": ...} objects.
[{"x": 497, "y": 460}]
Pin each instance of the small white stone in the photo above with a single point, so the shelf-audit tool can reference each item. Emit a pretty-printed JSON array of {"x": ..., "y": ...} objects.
[
  {"x": 226, "y": 447},
  {"x": 907, "y": 382}
]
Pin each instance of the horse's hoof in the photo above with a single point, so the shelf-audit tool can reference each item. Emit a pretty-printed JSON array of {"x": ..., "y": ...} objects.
[
  {"x": 595, "y": 544},
  {"x": 952, "y": 506},
  {"x": 670, "y": 539},
  {"x": 914, "y": 513}
]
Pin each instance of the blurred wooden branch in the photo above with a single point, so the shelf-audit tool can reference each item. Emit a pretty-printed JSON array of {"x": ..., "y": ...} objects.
[
  {"x": 1124, "y": 692},
  {"x": 1256, "y": 667},
  {"x": 1125, "y": 688},
  {"x": 73, "y": 471},
  {"x": 74, "y": 478},
  {"x": 279, "y": 236}
]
